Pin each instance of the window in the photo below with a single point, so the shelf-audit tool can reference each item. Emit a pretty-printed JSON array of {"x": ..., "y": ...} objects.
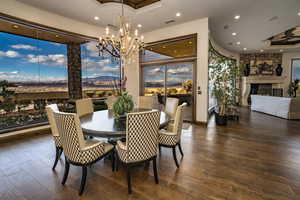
[
  {"x": 100, "y": 75},
  {"x": 33, "y": 73},
  {"x": 295, "y": 69}
]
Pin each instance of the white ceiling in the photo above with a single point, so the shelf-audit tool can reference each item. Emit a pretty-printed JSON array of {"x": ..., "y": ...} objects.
[{"x": 252, "y": 28}]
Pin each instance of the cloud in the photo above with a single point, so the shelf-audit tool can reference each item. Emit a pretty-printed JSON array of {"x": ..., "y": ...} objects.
[
  {"x": 23, "y": 46},
  {"x": 92, "y": 49},
  {"x": 50, "y": 60},
  {"x": 9, "y": 53},
  {"x": 179, "y": 70},
  {"x": 100, "y": 66}
]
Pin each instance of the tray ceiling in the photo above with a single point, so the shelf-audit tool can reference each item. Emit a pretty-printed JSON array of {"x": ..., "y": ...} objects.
[
  {"x": 289, "y": 37},
  {"x": 136, "y": 4}
]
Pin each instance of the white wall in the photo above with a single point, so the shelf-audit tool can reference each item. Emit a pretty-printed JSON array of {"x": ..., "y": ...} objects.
[
  {"x": 223, "y": 51},
  {"x": 200, "y": 27},
  {"x": 30, "y": 13},
  {"x": 287, "y": 66}
]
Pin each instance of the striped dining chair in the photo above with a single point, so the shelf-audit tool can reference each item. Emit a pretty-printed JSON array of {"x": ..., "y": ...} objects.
[
  {"x": 84, "y": 106},
  {"x": 171, "y": 138},
  {"x": 79, "y": 152},
  {"x": 50, "y": 109}
]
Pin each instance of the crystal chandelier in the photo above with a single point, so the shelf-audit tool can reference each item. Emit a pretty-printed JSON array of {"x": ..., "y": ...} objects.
[{"x": 123, "y": 44}]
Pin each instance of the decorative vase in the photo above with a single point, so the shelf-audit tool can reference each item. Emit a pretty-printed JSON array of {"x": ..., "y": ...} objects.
[
  {"x": 279, "y": 70},
  {"x": 247, "y": 70}
]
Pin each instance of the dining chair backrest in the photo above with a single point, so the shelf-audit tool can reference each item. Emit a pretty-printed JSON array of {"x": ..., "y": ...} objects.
[
  {"x": 110, "y": 102},
  {"x": 50, "y": 109},
  {"x": 142, "y": 135},
  {"x": 148, "y": 102},
  {"x": 84, "y": 106},
  {"x": 178, "y": 121},
  {"x": 69, "y": 127},
  {"x": 171, "y": 106}
]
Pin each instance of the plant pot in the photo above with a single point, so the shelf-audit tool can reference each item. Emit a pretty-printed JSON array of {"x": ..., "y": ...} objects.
[
  {"x": 221, "y": 120},
  {"x": 279, "y": 70}
]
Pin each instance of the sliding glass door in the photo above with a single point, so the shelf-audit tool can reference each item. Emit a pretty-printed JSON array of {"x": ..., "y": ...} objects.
[{"x": 171, "y": 80}]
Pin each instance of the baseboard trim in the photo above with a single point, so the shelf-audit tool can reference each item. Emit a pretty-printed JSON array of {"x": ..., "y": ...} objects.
[
  {"x": 25, "y": 132},
  {"x": 200, "y": 123}
]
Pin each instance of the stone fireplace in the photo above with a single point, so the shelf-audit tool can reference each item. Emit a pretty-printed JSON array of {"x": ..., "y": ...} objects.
[{"x": 261, "y": 85}]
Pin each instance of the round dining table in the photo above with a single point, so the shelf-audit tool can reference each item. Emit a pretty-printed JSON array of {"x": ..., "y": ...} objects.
[{"x": 103, "y": 124}]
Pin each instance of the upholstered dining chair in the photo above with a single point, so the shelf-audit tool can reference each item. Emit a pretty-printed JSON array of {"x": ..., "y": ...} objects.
[
  {"x": 148, "y": 102},
  {"x": 79, "y": 152},
  {"x": 171, "y": 107},
  {"x": 171, "y": 137},
  {"x": 50, "y": 109},
  {"x": 84, "y": 106},
  {"x": 110, "y": 102},
  {"x": 141, "y": 141}
]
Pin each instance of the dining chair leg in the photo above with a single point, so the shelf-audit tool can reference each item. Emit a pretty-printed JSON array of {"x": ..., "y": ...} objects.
[
  {"x": 57, "y": 155},
  {"x": 83, "y": 179},
  {"x": 113, "y": 160},
  {"x": 128, "y": 179},
  {"x": 180, "y": 149},
  {"x": 175, "y": 157},
  {"x": 66, "y": 173},
  {"x": 60, "y": 151},
  {"x": 159, "y": 149},
  {"x": 155, "y": 169}
]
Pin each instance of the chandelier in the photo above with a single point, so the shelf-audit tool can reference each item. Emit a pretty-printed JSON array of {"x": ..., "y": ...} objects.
[{"x": 122, "y": 44}]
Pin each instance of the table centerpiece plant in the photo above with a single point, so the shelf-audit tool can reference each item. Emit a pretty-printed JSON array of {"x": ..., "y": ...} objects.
[{"x": 123, "y": 105}]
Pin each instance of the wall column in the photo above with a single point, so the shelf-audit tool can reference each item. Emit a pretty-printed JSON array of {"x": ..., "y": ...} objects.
[{"x": 74, "y": 71}]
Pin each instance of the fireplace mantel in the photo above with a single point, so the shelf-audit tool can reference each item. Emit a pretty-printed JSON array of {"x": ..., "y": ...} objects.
[
  {"x": 276, "y": 81},
  {"x": 263, "y": 79}
]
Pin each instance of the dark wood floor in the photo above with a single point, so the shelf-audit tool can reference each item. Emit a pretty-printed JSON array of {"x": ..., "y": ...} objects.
[{"x": 253, "y": 159}]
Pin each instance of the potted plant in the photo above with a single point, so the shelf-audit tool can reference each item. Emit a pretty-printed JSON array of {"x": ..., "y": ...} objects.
[
  {"x": 123, "y": 105},
  {"x": 223, "y": 74}
]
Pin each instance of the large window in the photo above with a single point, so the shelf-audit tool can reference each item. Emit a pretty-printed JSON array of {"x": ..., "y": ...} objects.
[
  {"x": 295, "y": 69},
  {"x": 168, "y": 71},
  {"x": 33, "y": 73},
  {"x": 100, "y": 75}
]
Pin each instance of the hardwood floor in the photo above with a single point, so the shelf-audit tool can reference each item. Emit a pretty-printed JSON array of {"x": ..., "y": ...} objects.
[{"x": 257, "y": 158}]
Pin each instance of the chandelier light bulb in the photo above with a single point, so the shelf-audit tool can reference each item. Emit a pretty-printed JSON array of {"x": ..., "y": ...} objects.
[{"x": 107, "y": 30}]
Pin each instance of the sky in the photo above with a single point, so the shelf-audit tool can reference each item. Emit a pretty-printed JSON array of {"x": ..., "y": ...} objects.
[
  {"x": 176, "y": 73},
  {"x": 27, "y": 59}
]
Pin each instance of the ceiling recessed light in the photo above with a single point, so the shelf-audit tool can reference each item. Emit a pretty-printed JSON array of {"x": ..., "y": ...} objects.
[
  {"x": 238, "y": 43},
  {"x": 261, "y": 50},
  {"x": 234, "y": 34},
  {"x": 178, "y": 14},
  {"x": 139, "y": 25},
  {"x": 57, "y": 36},
  {"x": 245, "y": 49},
  {"x": 237, "y": 17},
  {"x": 281, "y": 50},
  {"x": 164, "y": 47},
  {"x": 190, "y": 42},
  {"x": 96, "y": 18},
  {"x": 15, "y": 26},
  {"x": 299, "y": 13}
]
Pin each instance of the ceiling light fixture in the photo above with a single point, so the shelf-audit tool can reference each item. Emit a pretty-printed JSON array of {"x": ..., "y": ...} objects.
[
  {"x": 15, "y": 26},
  {"x": 237, "y": 17},
  {"x": 178, "y": 14},
  {"x": 281, "y": 50},
  {"x": 139, "y": 25},
  {"x": 122, "y": 45},
  {"x": 238, "y": 43},
  {"x": 234, "y": 34},
  {"x": 96, "y": 18},
  {"x": 261, "y": 50},
  {"x": 299, "y": 13},
  {"x": 245, "y": 49}
]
